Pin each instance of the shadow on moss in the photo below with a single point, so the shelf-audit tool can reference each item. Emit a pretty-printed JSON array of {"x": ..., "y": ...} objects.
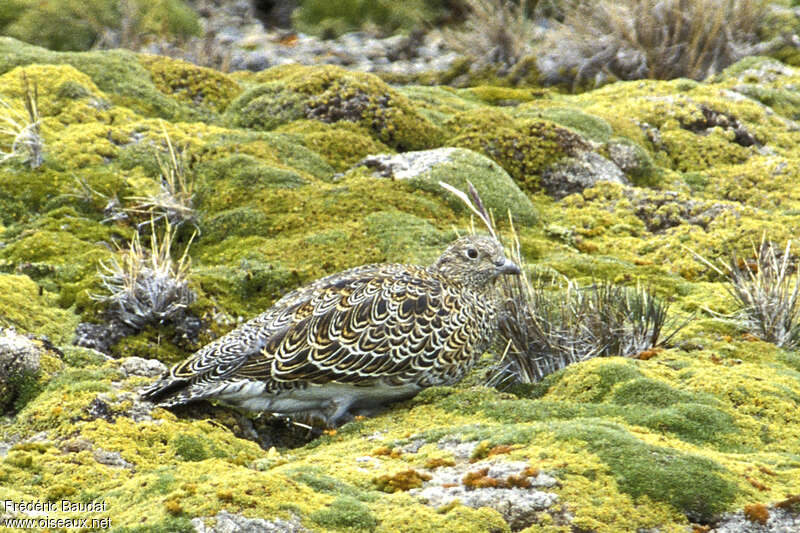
[{"x": 695, "y": 485}]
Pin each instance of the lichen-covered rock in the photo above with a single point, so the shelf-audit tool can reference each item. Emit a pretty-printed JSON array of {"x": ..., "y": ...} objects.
[
  {"x": 19, "y": 367},
  {"x": 25, "y": 366},
  {"x": 454, "y": 166},
  {"x": 505, "y": 487},
  {"x": 523, "y": 149},
  {"x": 225, "y": 522},
  {"x": 574, "y": 174}
]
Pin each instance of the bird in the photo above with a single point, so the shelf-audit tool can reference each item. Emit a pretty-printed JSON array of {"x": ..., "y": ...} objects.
[{"x": 353, "y": 342}]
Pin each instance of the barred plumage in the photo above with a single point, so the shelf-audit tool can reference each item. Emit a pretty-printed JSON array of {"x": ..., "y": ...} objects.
[{"x": 353, "y": 341}]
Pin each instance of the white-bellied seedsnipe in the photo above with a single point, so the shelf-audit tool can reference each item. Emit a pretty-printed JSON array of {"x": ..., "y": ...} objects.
[{"x": 354, "y": 341}]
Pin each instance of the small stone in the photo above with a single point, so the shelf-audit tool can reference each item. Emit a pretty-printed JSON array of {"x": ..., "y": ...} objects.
[
  {"x": 138, "y": 366},
  {"x": 225, "y": 522}
]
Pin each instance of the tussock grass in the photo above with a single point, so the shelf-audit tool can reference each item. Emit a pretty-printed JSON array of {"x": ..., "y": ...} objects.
[
  {"x": 766, "y": 287},
  {"x": 495, "y": 33},
  {"x": 659, "y": 39},
  {"x": 174, "y": 202},
  {"x": 145, "y": 287},
  {"x": 20, "y": 133},
  {"x": 545, "y": 326}
]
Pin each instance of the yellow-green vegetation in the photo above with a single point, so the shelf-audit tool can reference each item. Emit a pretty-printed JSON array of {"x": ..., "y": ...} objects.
[
  {"x": 327, "y": 20},
  {"x": 705, "y": 426},
  {"x": 80, "y": 25},
  {"x": 332, "y": 94},
  {"x": 191, "y": 84}
]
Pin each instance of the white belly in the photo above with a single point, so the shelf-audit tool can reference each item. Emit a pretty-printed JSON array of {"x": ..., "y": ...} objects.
[{"x": 330, "y": 400}]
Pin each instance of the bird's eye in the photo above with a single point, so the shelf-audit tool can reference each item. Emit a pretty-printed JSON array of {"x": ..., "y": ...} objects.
[{"x": 472, "y": 253}]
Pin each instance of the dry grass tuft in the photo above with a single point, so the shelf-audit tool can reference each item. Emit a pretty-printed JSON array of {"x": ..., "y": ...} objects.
[
  {"x": 661, "y": 39},
  {"x": 767, "y": 289},
  {"x": 20, "y": 134},
  {"x": 174, "y": 202},
  {"x": 146, "y": 286},
  {"x": 545, "y": 327},
  {"x": 496, "y": 33}
]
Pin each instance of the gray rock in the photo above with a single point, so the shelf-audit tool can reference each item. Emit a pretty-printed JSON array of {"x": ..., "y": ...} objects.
[
  {"x": 779, "y": 521},
  {"x": 19, "y": 357},
  {"x": 225, "y": 522},
  {"x": 518, "y": 506},
  {"x": 17, "y": 353},
  {"x": 625, "y": 156},
  {"x": 460, "y": 450},
  {"x": 138, "y": 366},
  {"x": 406, "y": 165},
  {"x": 111, "y": 459},
  {"x": 574, "y": 174},
  {"x": 413, "y": 446}
]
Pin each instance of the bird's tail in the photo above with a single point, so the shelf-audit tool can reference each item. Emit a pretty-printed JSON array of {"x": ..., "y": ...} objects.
[{"x": 167, "y": 392}]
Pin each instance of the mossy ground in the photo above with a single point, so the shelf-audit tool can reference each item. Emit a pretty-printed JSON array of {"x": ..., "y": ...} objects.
[{"x": 709, "y": 425}]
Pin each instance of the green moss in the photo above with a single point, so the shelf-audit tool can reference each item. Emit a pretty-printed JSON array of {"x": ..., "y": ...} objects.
[
  {"x": 76, "y": 25},
  {"x": 332, "y": 94},
  {"x": 267, "y": 106},
  {"x": 346, "y": 513},
  {"x": 341, "y": 144},
  {"x": 524, "y": 150},
  {"x": 697, "y": 486},
  {"x": 648, "y": 392},
  {"x": 79, "y": 357},
  {"x": 28, "y": 309},
  {"x": 236, "y": 222},
  {"x": 61, "y": 262},
  {"x": 784, "y": 101},
  {"x": 58, "y": 25},
  {"x": 330, "y": 485},
  {"x": 189, "y": 448},
  {"x": 321, "y": 18},
  {"x": 690, "y": 152},
  {"x": 172, "y": 524},
  {"x": 589, "y": 126},
  {"x": 191, "y": 84},
  {"x": 403, "y": 237},
  {"x": 160, "y": 342},
  {"x": 116, "y": 72},
  {"x": 238, "y": 180},
  {"x": 17, "y": 390},
  {"x": 692, "y": 422},
  {"x": 593, "y": 380},
  {"x": 791, "y": 359},
  {"x": 503, "y": 96},
  {"x": 72, "y": 90},
  {"x": 247, "y": 288}
]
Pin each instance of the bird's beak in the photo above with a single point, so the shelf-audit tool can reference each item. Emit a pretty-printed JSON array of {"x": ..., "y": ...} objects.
[{"x": 508, "y": 267}]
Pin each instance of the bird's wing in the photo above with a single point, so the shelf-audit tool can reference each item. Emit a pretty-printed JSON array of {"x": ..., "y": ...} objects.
[
  {"x": 392, "y": 324},
  {"x": 222, "y": 357}
]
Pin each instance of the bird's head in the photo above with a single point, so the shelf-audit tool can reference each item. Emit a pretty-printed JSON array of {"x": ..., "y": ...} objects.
[{"x": 474, "y": 260}]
